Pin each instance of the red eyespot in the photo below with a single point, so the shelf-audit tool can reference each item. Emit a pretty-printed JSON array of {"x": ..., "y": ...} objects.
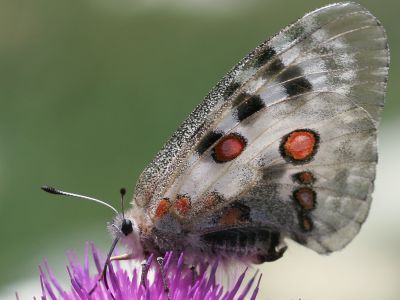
[
  {"x": 305, "y": 223},
  {"x": 212, "y": 200},
  {"x": 231, "y": 217},
  {"x": 305, "y": 197},
  {"x": 162, "y": 208},
  {"x": 306, "y": 177},
  {"x": 299, "y": 144},
  {"x": 238, "y": 213},
  {"x": 182, "y": 204},
  {"x": 229, "y": 147}
]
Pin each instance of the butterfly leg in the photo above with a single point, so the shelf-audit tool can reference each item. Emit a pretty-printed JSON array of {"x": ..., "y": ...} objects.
[
  {"x": 125, "y": 256},
  {"x": 160, "y": 262},
  {"x": 194, "y": 273},
  {"x": 145, "y": 266},
  {"x": 145, "y": 269}
]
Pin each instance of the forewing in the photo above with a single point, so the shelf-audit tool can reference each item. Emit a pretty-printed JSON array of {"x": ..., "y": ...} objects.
[{"x": 286, "y": 140}]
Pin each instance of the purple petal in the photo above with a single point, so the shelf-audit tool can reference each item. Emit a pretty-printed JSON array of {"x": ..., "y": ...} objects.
[
  {"x": 237, "y": 286},
  {"x": 53, "y": 279},
  {"x": 47, "y": 285},
  {"x": 86, "y": 261},
  {"x": 75, "y": 285},
  {"x": 255, "y": 292},
  {"x": 96, "y": 258},
  {"x": 114, "y": 281},
  {"x": 248, "y": 287},
  {"x": 126, "y": 285}
]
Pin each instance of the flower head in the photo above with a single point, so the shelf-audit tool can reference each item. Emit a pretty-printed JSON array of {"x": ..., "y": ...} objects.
[{"x": 182, "y": 282}]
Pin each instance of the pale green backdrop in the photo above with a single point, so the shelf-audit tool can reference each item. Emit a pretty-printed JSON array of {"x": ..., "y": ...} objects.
[{"x": 91, "y": 89}]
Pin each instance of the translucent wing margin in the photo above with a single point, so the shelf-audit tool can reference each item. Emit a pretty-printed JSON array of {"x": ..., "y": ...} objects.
[{"x": 325, "y": 74}]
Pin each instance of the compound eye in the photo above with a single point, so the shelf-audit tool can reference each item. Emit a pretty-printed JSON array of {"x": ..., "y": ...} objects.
[{"x": 126, "y": 227}]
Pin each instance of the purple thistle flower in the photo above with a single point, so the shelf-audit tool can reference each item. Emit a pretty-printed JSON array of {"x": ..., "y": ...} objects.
[{"x": 123, "y": 284}]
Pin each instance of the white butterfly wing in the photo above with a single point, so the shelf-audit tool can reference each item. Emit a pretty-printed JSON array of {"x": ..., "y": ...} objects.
[{"x": 233, "y": 162}]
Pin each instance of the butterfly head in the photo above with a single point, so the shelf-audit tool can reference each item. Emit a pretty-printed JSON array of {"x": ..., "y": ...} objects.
[
  {"x": 122, "y": 227},
  {"x": 125, "y": 228}
]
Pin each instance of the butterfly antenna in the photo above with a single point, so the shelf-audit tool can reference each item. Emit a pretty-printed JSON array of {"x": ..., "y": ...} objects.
[
  {"x": 55, "y": 191},
  {"x": 126, "y": 226},
  {"x": 122, "y": 192}
]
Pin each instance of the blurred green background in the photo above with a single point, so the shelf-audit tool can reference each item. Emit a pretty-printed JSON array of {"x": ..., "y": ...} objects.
[{"x": 90, "y": 90}]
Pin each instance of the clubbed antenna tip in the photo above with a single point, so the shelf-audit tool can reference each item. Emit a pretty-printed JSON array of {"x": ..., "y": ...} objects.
[
  {"x": 55, "y": 191},
  {"x": 51, "y": 190}
]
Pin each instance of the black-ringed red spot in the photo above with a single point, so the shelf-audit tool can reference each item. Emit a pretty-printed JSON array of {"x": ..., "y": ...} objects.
[
  {"x": 228, "y": 148},
  {"x": 299, "y": 146},
  {"x": 162, "y": 208},
  {"x": 237, "y": 213},
  {"x": 212, "y": 200},
  {"x": 305, "y": 198},
  {"x": 305, "y": 222},
  {"x": 182, "y": 204},
  {"x": 305, "y": 177},
  {"x": 231, "y": 217}
]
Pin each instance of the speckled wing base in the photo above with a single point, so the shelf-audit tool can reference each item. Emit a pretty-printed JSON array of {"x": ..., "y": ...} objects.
[{"x": 285, "y": 144}]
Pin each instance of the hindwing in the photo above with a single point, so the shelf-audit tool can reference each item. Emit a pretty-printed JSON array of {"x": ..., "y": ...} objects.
[{"x": 285, "y": 141}]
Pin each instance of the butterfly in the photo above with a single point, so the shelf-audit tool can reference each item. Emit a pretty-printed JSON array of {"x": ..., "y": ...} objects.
[{"x": 283, "y": 147}]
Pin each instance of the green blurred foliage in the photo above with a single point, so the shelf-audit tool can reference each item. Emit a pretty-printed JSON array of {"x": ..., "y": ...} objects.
[{"x": 90, "y": 90}]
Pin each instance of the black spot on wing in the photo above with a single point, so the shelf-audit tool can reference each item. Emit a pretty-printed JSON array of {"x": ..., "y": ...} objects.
[
  {"x": 240, "y": 98},
  {"x": 208, "y": 140},
  {"x": 295, "y": 31},
  {"x": 289, "y": 73},
  {"x": 295, "y": 82},
  {"x": 274, "y": 68},
  {"x": 268, "y": 56},
  {"x": 249, "y": 107},
  {"x": 298, "y": 86},
  {"x": 231, "y": 89},
  {"x": 265, "y": 56}
]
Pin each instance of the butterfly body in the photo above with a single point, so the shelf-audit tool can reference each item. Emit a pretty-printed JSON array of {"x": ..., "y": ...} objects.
[
  {"x": 250, "y": 245},
  {"x": 283, "y": 147}
]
